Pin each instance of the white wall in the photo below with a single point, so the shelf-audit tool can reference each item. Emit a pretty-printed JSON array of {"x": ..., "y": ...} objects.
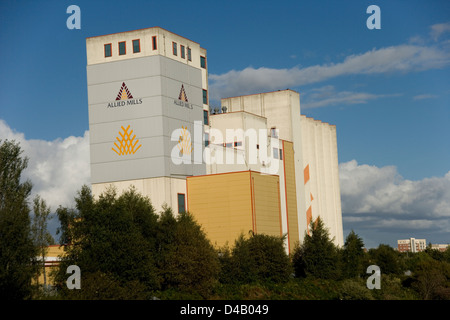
[
  {"x": 95, "y": 46},
  {"x": 155, "y": 77},
  {"x": 320, "y": 153},
  {"x": 162, "y": 190},
  {"x": 282, "y": 111},
  {"x": 314, "y": 143}
]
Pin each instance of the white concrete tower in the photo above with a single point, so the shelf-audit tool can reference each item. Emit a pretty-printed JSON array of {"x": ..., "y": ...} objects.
[
  {"x": 315, "y": 157},
  {"x": 147, "y": 94}
]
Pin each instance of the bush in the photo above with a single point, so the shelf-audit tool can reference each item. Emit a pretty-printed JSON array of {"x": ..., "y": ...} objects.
[
  {"x": 187, "y": 260},
  {"x": 317, "y": 256},
  {"x": 432, "y": 280},
  {"x": 352, "y": 289},
  {"x": 133, "y": 251},
  {"x": 103, "y": 286},
  {"x": 260, "y": 258},
  {"x": 389, "y": 260}
]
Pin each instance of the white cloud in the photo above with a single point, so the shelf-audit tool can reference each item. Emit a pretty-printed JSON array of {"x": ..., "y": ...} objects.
[
  {"x": 328, "y": 96},
  {"x": 417, "y": 40},
  {"x": 438, "y": 29},
  {"x": 369, "y": 189},
  {"x": 415, "y": 224},
  {"x": 382, "y": 207},
  {"x": 424, "y": 96},
  {"x": 436, "y": 32},
  {"x": 56, "y": 168},
  {"x": 395, "y": 59}
]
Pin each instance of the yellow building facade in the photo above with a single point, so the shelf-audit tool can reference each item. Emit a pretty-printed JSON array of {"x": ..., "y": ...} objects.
[
  {"x": 52, "y": 259},
  {"x": 229, "y": 204},
  {"x": 292, "y": 223}
]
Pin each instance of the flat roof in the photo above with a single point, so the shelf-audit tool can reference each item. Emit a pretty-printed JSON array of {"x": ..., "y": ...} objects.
[
  {"x": 155, "y": 27},
  {"x": 231, "y": 172},
  {"x": 238, "y": 111},
  {"x": 255, "y": 94}
]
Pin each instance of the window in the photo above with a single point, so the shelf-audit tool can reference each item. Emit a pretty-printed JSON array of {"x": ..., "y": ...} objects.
[
  {"x": 181, "y": 203},
  {"x": 238, "y": 143},
  {"x": 205, "y": 117},
  {"x": 206, "y": 139},
  {"x": 136, "y": 46},
  {"x": 154, "y": 46},
  {"x": 274, "y": 132},
  {"x": 281, "y": 154},
  {"x": 275, "y": 153},
  {"x": 183, "y": 55},
  {"x": 229, "y": 145},
  {"x": 203, "y": 62},
  {"x": 189, "y": 54},
  {"x": 205, "y": 96},
  {"x": 122, "y": 48},
  {"x": 108, "y": 52},
  {"x": 174, "y": 48}
]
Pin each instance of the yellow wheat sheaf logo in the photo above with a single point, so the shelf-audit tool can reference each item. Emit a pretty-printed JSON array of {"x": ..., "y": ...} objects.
[
  {"x": 127, "y": 143},
  {"x": 184, "y": 142}
]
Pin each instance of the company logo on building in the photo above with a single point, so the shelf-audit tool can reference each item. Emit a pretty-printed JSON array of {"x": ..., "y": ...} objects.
[
  {"x": 124, "y": 98},
  {"x": 182, "y": 99},
  {"x": 260, "y": 150},
  {"x": 183, "y": 96},
  {"x": 124, "y": 93},
  {"x": 184, "y": 142},
  {"x": 126, "y": 144}
]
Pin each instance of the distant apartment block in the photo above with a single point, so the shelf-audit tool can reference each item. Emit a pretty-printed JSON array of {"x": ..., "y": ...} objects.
[
  {"x": 440, "y": 247},
  {"x": 411, "y": 245}
]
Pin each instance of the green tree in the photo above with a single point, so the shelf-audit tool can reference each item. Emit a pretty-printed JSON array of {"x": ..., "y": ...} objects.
[
  {"x": 446, "y": 255},
  {"x": 353, "y": 256},
  {"x": 109, "y": 236},
  {"x": 187, "y": 260},
  {"x": 317, "y": 255},
  {"x": 432, "y": 279},
  {"x": 16, "y": 245},
  {"x": 120, "y": 243},
  {"x": 413, "y": 259},
  {"x": 354, "y": 289},
  {"x": 41, "y": 236},
  {"x": 434, "y": 253},
  {"x": 389, "y": 261},
  {"x": 257, "y": 259},
  {"x": 66, "y": 217}
]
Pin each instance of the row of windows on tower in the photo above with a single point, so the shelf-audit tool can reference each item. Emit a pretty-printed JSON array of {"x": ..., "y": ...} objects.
[
  {"x": 136, "y": 45},
  {"x": 183, "y": 51}
]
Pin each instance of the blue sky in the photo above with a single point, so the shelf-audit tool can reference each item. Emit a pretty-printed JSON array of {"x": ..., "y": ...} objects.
[{"x": 386, "y": 90}]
